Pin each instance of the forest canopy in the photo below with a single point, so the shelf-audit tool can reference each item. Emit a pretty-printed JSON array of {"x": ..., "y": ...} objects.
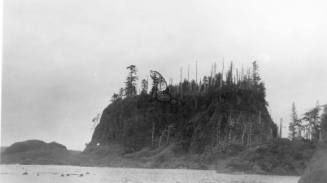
[{"x": 220, "y": 109}]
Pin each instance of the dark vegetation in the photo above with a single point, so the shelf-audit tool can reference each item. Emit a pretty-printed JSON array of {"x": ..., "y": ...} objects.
[
  {"x": 209, "y": 115},
  {"x": 2, "y": 149},
  {"x": 281, "y": 156},
  {"x": 317, "y": 168},
  {"x": 37, "y": 152},
  {"x": 221, "y": 122},
  {"x": 309, "y": 126}
]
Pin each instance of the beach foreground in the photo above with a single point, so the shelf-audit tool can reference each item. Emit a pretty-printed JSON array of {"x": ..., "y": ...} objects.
[{"x": 76, "y": 174}]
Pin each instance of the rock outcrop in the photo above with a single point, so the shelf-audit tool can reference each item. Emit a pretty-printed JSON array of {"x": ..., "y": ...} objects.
[{"x": 196, "y": 124}]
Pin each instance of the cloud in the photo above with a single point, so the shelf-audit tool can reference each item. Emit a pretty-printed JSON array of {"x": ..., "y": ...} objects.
[{"x": 63, "y": 59}]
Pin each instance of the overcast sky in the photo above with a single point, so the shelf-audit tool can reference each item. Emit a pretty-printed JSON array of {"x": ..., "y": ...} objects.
[{"x": 63, "y": 59}]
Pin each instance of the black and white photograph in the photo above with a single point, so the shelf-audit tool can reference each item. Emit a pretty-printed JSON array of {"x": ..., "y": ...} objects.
[{"x": 163, "y": 91}]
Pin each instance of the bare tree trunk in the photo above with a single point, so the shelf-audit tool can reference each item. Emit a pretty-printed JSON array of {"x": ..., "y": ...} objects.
[
  {"x": 160, "y": 139},
  {"x": 218, "y": 131},
  {"x": 168, "y": 134},
  {"x": 196, "y": 103},
  {"x": 188, "y": 72},
  {"x": 230, "y": 134},
  {"x": 281, "y": 127},
  {"x": 251, "y": 134},
  {"x": 261, "y": 127},
  {"x": 243, "y": 133},
  {"x": 230, "y": 127},
  {"x": 152, "y": 136},
  {"x": 196, "y": 72}
]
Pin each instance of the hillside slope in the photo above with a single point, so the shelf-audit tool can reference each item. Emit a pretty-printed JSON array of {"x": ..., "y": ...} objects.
[
  {"x": 317, "y": 168},
  {"x": 196, "y": 123},
  {"x": 37, "y": 152},
  {"x": 192, "y": 133}
]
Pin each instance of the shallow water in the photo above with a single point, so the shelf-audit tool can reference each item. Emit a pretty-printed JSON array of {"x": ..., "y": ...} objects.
[{"x": 76, "y": 174}]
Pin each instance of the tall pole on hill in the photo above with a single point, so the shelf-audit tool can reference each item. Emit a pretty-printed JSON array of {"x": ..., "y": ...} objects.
[
  {"x": 215, "y": 69},
  {"x": 188, "y": 72},
  {"x": 222, "y": 70},
  {"x": 211, "y": 75},
  {"x": 181, "y": 74},
  {"x": 181, "y": 83},
  {"x": 281, "y": 127},
  {"x": 196, "y": 71},
  {"x": 152, "y": 133}
]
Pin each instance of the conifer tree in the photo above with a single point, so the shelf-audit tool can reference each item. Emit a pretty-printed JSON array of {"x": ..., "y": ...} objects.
[
  {"x": 229, "y": 75},
  {"x": 114, "y": 97},
  {"x": 144, "y": 86},
  {"x": 131, "y": 81},
  {"x": 205, "y": 83},
  {"x": 292, "y": 124},
  {"x": 313, "y": 119},
  {"x": 324, "y": 124},
  {"x": 121, "y": 93},
  {"x": 255, "y": 73}
]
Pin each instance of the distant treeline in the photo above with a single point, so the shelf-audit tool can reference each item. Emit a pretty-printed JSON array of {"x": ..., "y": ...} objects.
[{"x": 312, "y": 125}]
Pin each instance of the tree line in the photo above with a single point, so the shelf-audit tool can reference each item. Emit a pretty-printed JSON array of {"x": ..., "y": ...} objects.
[
  {"x": 233, "y": 79},
  {"x": 221, "y": 108},
  {"x": 312, "y": 125}
]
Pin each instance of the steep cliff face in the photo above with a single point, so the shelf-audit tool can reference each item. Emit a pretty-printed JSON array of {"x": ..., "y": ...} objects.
[{"x": 196, "y": 124}]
